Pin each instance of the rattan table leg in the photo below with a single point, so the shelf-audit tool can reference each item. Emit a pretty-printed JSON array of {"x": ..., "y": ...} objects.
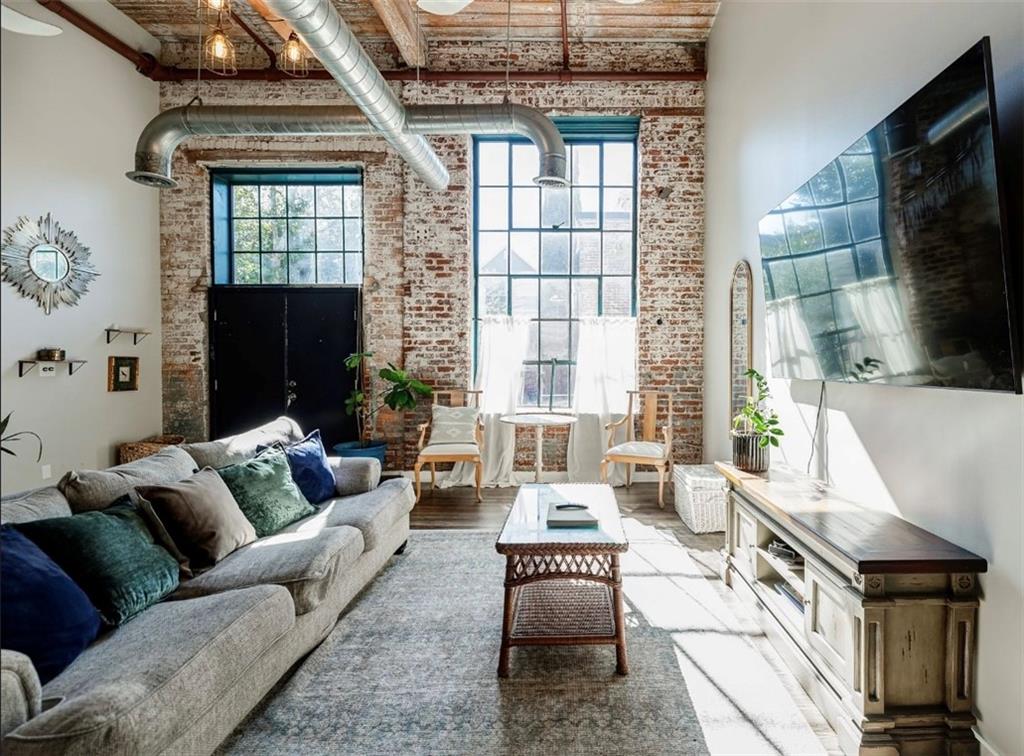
[
  {"x": 621, "y": 663},
  {"x": 506, "y": 623}
]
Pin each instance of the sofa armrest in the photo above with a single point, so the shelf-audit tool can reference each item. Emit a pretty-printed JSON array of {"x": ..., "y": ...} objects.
[
  {"x": 21, "y": 695},
  {"x": 354, "y": 475}
]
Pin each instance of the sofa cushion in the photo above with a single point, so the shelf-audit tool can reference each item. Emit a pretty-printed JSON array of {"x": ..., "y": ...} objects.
[
  {"x": 308, "y": 462},
  {"x": 21, "y": 697},
  {"x": 372, "y": 513},
  {"x": 34, "y": 505},
  {"x": 139, "y": 687},
  {"x": 43, "y": 613},
  {"x": 266, "y": 493},
  {"x": 453, "y": 425},
  {"x": 201, "y": 517},
  {"x": 354, "y": 475},
  {"x": 235, "y": 449},
  {"x": 111, "y": 555},
  {"x": 449, "y": 450},
  {"x": 303, "y": 563},
  {"x": 88, "y": 490}
]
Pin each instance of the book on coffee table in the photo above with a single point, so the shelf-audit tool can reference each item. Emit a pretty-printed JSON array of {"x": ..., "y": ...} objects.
[{"x": 564, "y": 513}]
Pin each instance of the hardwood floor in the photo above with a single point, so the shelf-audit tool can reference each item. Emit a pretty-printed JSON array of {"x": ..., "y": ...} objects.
[{"x": 457, "y": 508}]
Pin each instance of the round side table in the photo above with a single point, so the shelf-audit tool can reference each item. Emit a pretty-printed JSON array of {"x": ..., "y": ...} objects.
[{"x": 539, "y": 421}]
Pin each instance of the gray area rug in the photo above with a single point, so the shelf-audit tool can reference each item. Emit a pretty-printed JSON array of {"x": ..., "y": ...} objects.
[{"x": 411, "y": 669}]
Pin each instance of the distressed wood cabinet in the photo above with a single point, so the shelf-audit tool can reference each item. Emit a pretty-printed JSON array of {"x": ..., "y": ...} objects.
[{"x": 877, "y": 623}]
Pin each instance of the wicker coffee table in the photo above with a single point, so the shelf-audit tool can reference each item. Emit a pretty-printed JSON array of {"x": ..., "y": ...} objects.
[{"x": 562, "y": 586}]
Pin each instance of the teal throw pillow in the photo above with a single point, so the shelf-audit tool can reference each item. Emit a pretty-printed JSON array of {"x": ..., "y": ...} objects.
[
  {"x": 266, "y": 493},
  {"x": 111, "y": 555}
]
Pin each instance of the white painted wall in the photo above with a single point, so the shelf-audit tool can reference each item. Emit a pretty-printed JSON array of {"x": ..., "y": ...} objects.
[
  {"x": 71, "y": 112},
  {"x": 790, "y": 85}
]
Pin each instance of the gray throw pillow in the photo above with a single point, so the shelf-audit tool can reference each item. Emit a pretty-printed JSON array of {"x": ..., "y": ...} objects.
[
  {"x": 453, "y": 425},
  {"x": 201, "y": 517},
  {"x": 90, "y": 490}
]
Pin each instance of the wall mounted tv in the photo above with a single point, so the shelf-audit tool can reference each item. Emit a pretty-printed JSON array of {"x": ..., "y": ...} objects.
[{"x": 892, "y": 264}]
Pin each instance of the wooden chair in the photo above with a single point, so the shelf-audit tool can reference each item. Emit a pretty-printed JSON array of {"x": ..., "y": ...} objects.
[
  {"x": 448, "y": 452},
  {"x": 648, "y": 450}
]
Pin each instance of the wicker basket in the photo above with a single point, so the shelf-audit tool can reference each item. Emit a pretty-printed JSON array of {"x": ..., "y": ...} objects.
[
  {"x": 134, "y": 450},
  {"x": 700, "y": 497}
]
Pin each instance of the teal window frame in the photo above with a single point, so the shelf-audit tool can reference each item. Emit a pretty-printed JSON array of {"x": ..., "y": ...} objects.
[
  {"x": 576, "y": 132},
  {"x": 224, "y": 248}
]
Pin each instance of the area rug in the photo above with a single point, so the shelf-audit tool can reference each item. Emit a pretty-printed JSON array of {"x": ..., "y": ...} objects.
[{"x": 411, "y": 669}]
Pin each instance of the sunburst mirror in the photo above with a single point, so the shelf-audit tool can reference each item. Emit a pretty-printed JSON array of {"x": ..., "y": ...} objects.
[{"x": 46, "y": 263}]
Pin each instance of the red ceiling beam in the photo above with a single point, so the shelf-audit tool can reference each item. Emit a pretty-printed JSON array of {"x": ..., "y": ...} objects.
[{"x": 148, "y": 66}]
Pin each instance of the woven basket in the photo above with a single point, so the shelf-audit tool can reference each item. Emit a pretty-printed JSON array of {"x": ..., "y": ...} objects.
[
  {"x": 700, "y": 497},
  {"x": 134, "y": 450}
]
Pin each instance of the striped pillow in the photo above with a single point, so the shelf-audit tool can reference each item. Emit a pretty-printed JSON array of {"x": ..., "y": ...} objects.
[{"x": 453, "y": 425}]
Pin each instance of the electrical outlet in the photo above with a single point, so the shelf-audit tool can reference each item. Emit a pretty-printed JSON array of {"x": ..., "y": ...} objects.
[{"x": 46, "y": 472}]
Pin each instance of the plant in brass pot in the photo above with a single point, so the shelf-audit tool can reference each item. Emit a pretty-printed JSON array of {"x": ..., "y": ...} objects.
[
  {"x": 755, "y": 429},
  {"x": 403, "y": 393}
]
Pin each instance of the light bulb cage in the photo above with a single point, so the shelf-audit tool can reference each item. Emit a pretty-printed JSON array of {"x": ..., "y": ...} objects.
[
  {"x": 293, "y": 59},
  {"x": 212, "y": 11},
  {"x": 219, "y": 53}
]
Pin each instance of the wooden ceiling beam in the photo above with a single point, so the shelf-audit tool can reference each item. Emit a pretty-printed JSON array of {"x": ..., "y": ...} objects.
[
  {"x": 399, "y": 19},
  {"x": 279, "y": 25}
]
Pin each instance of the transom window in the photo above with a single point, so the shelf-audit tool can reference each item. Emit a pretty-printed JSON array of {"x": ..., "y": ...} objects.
[
  {"x": 825, "y": 236},
  {"x": 283, "y": 229},
  {"x": 554, "y": 255}
]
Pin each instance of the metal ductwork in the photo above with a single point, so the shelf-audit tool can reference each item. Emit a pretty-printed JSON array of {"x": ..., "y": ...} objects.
[
  {"x": 498, "y": 119},
  {"x": 166, "y": 131},
  {"x": 328, "y": 37}
]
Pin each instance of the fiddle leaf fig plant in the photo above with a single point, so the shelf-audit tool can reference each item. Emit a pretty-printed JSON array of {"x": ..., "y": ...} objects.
[
  {"x": 755, "y": 419},
  {"x": 403, "y": 392}
]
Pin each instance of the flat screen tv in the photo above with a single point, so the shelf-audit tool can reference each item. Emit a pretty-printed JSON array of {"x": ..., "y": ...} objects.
[{"x": 892, "y": 263}]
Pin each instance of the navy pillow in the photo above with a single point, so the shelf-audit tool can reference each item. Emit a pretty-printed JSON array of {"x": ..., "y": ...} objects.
[
  {"x": 43, "y": 613},
  {"x": 307, "y": 460}
]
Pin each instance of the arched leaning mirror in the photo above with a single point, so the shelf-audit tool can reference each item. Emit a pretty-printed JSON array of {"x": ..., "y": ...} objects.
[
  {"x": 741, "y": 305},
  {"x": 46, "y": 263}
]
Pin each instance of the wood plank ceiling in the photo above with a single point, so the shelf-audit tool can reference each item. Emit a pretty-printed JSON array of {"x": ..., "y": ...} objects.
[{"x": 586, "y": 20}]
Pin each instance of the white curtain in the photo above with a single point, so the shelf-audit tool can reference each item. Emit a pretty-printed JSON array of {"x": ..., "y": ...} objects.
[
  {"x": 883, "y": 323},
  {"x": 790, "y": 348},
  {"x": 499, "y": 375},
  {"x": 605, "y": 371}
]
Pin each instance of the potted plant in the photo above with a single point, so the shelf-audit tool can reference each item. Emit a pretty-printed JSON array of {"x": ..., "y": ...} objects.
[
  {"x": 755, "y": 429},
  {"x": 403, "y": 393},
  {"x": 6, "y": 440}
]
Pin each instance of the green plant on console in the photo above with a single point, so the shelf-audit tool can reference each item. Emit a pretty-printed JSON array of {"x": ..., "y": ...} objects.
[
  {"x": 6, "y": 440},
  {"x": 755, "y": 419},
  {"x": 403, "y": 393}
]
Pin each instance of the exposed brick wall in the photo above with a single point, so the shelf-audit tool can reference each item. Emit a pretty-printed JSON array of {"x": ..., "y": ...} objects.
[{"x": 418, "y": 241}]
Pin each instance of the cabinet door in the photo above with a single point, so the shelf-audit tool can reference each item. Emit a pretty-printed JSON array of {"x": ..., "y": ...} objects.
[
  {"x": 744, "y": 528},
  {"x": 828, "y": 622}
]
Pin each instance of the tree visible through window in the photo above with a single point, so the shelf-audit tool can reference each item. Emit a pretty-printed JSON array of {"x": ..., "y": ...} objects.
[
  {"x": 554, "y": 255},
  {"x": 295, "y": 233}
]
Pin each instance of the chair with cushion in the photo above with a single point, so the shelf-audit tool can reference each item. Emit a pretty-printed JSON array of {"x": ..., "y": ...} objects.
[
  {"x": 456, "y": 435},
  {"x": 648, "y": 450}
]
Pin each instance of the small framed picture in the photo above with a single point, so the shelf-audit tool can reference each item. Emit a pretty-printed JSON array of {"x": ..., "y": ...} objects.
[{"x": 123, "y": 374}]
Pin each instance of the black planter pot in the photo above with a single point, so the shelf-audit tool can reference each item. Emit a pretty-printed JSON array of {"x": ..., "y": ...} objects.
[{"x": 747, "y": 452}]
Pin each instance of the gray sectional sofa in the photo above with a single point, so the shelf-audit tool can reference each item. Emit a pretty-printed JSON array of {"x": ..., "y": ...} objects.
[{"x": 178, "y": 678}]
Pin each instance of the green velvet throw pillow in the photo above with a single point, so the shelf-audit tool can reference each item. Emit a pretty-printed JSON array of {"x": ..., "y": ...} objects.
[
  {"x": 266, "y": 493},
  {"x": 111, "y": 555}
]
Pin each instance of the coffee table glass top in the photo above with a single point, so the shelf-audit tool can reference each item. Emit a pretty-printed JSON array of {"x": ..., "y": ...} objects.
[{"x": 526, "y": 524}]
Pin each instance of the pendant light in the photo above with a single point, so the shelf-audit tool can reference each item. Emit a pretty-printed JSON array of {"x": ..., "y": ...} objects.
[
  {"x": 442, "y": 7},
  {"x": 293, "y": 58},
  {"x": 211, "y": 11},
  {"x": 219, "y": 52}
]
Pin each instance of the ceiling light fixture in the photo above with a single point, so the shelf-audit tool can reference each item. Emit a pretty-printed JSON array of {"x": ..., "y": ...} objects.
[
  {"x": 212, "y": 10},
  {"x": 219, "y": 53},
  {"x": 442, "y": 7},
  {"x": 294, "y": 60}
]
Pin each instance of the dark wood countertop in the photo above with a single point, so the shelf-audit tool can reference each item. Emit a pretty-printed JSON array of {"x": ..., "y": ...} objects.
[{"x": 870, "y": 541}]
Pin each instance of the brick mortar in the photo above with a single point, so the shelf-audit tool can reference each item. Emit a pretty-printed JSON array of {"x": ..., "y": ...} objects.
[{"x": 418, "y": 302}]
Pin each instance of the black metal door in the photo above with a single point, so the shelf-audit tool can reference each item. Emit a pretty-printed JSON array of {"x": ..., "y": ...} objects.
[{"x": 280, "y": 351}]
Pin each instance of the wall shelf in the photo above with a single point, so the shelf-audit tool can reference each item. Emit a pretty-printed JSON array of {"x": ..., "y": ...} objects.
[
  {"x": 27, "y": 366},
  {"x": 137, "y": 334}
]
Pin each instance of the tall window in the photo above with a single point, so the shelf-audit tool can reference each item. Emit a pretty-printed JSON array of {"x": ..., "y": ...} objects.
[
  {"x": 294, "y": 228},
  {"x": 554, "y": 255},
  {"x": 825, "y": 236}
]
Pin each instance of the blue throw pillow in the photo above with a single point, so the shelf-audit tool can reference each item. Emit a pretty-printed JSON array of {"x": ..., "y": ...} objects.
[
  {"x": 307, "y": 460},
  {"x": 43, "y": 613}
]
